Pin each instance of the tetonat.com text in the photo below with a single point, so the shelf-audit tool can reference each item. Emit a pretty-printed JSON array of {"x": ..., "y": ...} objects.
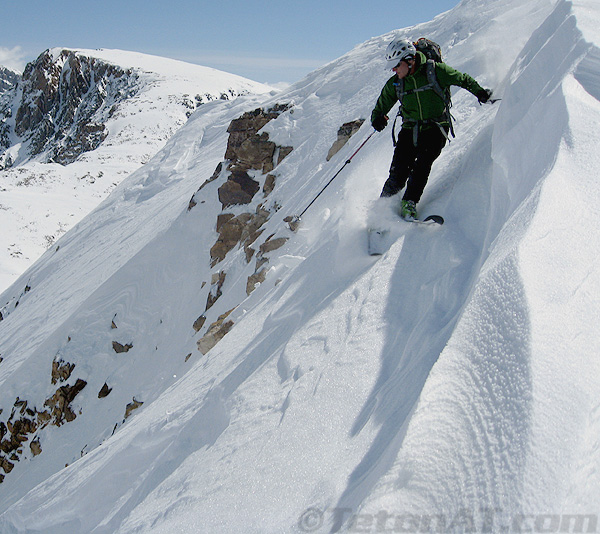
[{"x": 484, "y": 521}]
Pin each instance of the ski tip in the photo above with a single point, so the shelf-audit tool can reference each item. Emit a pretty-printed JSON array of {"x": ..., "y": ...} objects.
[{"x": 438, "y": 219}]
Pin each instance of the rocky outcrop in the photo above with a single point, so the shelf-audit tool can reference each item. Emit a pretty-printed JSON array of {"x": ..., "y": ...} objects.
[
  {"x": 218, "y": 279},
  {"x": 346, "y": 131},
  {"x": 215, "y": 333},
  {"x": 24, "y": 421},
  {"x": 242, "y": 229},
  {"x": 8, "y": 79},
  {"x": 132, "y": 406},
  {"x": 250, "y": 159},
  {"x": 61, "y": 371},
  {"x": 60, "y": 403},
  {"x": 249, "y": 150},
  {"x": 66, "y": 97},
  {"x": 120, "y": 348},
  {"x": 238, "y": 189},
  {"x": 104, "y": 391}
]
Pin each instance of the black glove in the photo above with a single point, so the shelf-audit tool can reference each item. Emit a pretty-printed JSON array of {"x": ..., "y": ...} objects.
[
  {"x": 484, "y": 95},
  {"x": 379, "y": 122}
]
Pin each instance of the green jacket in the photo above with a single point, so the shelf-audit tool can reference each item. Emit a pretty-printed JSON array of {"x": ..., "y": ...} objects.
[{"x": 426, "y": 104}]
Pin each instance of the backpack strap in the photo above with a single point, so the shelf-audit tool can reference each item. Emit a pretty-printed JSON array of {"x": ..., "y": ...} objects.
[
  {"x": 444, "y": 94},
  {"x": 434, "y": 85}
]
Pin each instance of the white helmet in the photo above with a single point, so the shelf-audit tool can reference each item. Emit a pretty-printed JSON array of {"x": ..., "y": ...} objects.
[{"x": 398, "y": 50}]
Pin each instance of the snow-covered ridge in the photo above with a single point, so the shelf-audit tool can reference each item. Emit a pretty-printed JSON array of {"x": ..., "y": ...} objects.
[
  {"x": 451, "y": 385},
  {"x": 8, "y": 79},
  {"x": 76, "y": 124}
]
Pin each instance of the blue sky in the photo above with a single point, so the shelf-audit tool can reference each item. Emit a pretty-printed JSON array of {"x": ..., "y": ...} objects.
[{"x": 268, "y": 41}]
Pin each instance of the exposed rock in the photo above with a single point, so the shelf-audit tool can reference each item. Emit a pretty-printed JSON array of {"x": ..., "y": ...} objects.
[
  {"x": 215, "y": 292},
  {"x": 43, "y": 418},
  {"x": 199, "y": 323},
  {"x": 133, "y": 405},
  {"x": 249, "y": 150},
  {"x": 118, "y": 348},
  {"x": 215, "y": 175},
  {"x": 269, "y": 185},
  {"x": 215, "y": 333},
  {"x": 272, "y": 244},
  {"x": 35, "y": 447},
  {"x": 61, "y": 98},
  {"x": 256, "y": 152},
  {"x": 252, "y": 229},
  {"x": 6, "y": 465},
  {"x": 8, "y": 79},
  {"x": 283, "y": 152},
  {"x": 238, "y": 189},
  {"x": 243, "y": 229},
  {"x": 255, "y": 279},
  {"x": 104, "y": 391},
  {"x": 16, "y": 432},
  {"x": 60, "y": 402},
  {"x": 293, "y": 222},
  {"x": 21, "y": 405},
  {"x": 247, "y": 126},
  {"x": 61, "y": 371},
  {"x": 260, "y": 273},
  {"x": 249, "y": 253},
  {"x": 345, "y": 132}
]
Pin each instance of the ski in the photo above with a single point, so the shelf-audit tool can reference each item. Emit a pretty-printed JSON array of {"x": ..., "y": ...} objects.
[
  {"x": 431, "y": 219},
  {"x": 378, "y": 238}
]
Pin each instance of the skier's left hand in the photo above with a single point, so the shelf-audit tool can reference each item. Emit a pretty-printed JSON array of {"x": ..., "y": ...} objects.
[{"x": 484, "y": 95}]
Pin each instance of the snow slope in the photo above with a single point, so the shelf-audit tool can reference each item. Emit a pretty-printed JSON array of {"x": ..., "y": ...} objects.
[
  {"x": 448, "y": 386},
  {"x": 40, "y": 201}
]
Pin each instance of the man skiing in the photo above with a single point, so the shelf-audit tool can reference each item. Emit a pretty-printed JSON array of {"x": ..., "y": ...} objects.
[{"x": 425, "y": 117}]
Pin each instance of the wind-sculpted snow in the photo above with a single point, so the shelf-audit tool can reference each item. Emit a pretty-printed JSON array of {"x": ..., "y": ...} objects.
[{"x": 449, "y": 386}]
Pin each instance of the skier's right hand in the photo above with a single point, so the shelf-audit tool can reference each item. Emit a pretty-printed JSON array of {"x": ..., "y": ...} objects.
[{"x": 379, "y": 122}]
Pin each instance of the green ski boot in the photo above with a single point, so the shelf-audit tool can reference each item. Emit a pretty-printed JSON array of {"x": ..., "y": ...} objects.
[{"x": 408, "y": 209}]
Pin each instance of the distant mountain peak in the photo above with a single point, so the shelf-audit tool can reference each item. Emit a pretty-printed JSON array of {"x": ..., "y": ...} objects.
[{"x": 77, "y": 122}]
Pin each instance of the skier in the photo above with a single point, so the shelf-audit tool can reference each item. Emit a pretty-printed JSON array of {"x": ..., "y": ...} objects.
[{"x": 425, "y": 118}]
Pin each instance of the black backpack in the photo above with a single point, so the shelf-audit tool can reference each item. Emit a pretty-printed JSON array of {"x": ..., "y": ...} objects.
[
  {"x": 429, "y": 48},
  {"x": 433, "y": 53}
]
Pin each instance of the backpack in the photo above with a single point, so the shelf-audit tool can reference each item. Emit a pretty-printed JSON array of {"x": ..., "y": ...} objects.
[
  {"x": 433, "y": 52},
  {"x": 429, "y": 48}
]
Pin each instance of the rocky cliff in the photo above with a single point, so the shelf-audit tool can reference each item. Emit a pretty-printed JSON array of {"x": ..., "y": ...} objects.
[
  {"x": 60, "y": 107},
  {"x": 79, "y": 121},
  {"x": 8, "y": 79}
]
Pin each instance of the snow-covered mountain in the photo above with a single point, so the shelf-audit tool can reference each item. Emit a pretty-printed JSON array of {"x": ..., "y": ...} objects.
[
  {"x": 181, "y": 361},
  {"x": 79, "y": 121},
  {"x": 8, "y": 79}
]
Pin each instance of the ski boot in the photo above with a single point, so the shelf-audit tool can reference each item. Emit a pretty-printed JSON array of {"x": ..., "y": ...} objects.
[{"x": 408, "y": 209}]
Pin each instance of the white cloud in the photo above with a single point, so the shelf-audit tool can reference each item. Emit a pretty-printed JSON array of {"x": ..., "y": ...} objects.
[{"x": 12, "y": 58}]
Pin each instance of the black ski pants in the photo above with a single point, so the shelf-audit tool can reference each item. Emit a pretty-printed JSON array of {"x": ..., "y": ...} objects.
[{"x": 412, "y": 162}]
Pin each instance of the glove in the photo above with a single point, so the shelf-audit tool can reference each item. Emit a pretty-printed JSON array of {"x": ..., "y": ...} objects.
[
  {"x": 379, "y": 122},
  {"x": 484, "y": 95}
]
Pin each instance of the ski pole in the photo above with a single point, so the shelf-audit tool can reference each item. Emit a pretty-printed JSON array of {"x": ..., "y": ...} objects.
[{"x": 296, "y": 219}]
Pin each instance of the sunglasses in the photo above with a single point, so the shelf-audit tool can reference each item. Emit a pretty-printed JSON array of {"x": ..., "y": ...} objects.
[{"x": 408, "y": 60}]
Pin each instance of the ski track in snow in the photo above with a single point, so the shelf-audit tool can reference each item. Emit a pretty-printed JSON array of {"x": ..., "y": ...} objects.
[{"x": 450, "y": 384}]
